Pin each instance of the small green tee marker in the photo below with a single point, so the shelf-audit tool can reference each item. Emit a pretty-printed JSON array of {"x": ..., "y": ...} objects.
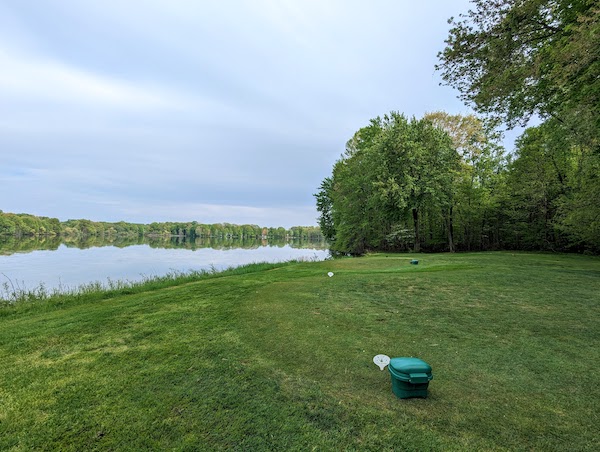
[
  {"x": 410, "y": 377},
  {"x": 414, "y": 262}
]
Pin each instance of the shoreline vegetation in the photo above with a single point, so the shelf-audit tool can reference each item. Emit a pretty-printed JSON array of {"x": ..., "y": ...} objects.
[
  {"x": 13, "y": 295},
  {"x": 279, "y": 357}
]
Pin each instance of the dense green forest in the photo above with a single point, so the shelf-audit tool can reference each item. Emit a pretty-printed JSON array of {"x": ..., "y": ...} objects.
[
  {"x": 444, "y": 182},
  {"x": 25, "y": 225}
]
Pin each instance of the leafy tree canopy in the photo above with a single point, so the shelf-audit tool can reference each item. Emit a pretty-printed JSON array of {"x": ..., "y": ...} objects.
[
  {"x": 394, "y": 173},
  {"x": 511, "y": 59}
]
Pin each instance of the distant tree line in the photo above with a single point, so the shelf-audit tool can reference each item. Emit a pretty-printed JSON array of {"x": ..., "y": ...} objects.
[{"x": 25, "y": 225}]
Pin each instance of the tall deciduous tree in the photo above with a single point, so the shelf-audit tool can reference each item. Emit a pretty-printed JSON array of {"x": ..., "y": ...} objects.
[
  {"x": 516, "y": 58},
  {"x": 395, "y": 173},
  {"x": 355, "y": 210},
  {"x": 579, "y": 213},
  {"x": 537, "y": 179},
  {"x": 325, "y": 206},
  {"x": 417, "y": 161},
  {"x": 472, "y": 210}
]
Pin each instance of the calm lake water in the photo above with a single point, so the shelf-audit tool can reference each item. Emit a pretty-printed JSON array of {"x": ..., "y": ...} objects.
[{"x": 57, "y": 265}]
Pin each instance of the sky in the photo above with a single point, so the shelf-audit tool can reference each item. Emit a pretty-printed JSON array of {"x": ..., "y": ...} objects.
[{"x": 223, "y": 111}]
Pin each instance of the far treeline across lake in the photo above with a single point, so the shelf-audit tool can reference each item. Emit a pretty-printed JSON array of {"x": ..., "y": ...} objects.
[{"x": 25, "y": 225}]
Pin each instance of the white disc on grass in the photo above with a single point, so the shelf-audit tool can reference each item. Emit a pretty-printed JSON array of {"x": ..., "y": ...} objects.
[{"x": 381, "y": 361}]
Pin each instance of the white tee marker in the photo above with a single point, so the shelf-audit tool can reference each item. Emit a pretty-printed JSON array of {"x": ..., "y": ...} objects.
[
  {"x": 381, "y": 361},
  {"x": 330, "y": 274}
]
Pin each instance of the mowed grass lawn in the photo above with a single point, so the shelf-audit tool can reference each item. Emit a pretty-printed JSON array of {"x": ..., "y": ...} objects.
[{"x": 281, "y": 359}]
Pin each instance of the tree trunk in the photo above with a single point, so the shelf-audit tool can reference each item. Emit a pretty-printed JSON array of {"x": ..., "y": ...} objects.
[
  {"x": 450, "y": 231},
  {"x": 415, "y": 213}
]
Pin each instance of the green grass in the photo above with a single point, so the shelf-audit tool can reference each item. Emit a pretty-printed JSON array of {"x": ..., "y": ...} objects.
[{"x": 279, "y": 357}]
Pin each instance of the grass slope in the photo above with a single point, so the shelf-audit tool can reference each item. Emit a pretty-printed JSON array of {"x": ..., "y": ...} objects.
[{"x": 280, "y": 359}]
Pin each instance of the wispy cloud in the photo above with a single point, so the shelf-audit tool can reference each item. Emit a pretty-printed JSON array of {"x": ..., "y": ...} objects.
[{"x": 43, "y": 78}]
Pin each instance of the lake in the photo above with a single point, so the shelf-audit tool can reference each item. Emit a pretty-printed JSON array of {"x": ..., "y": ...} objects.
[{"x": 55, "y": 264}]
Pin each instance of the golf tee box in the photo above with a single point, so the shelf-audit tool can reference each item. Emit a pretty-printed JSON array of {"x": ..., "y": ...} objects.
[{"x": 410, "y": 377}]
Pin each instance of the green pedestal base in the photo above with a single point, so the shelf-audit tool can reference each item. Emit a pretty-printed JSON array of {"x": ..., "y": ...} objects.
[{"x": 405, "y": 390}]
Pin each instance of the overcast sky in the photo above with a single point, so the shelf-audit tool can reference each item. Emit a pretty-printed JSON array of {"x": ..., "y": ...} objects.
[{"x": 222, "y": 111}]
